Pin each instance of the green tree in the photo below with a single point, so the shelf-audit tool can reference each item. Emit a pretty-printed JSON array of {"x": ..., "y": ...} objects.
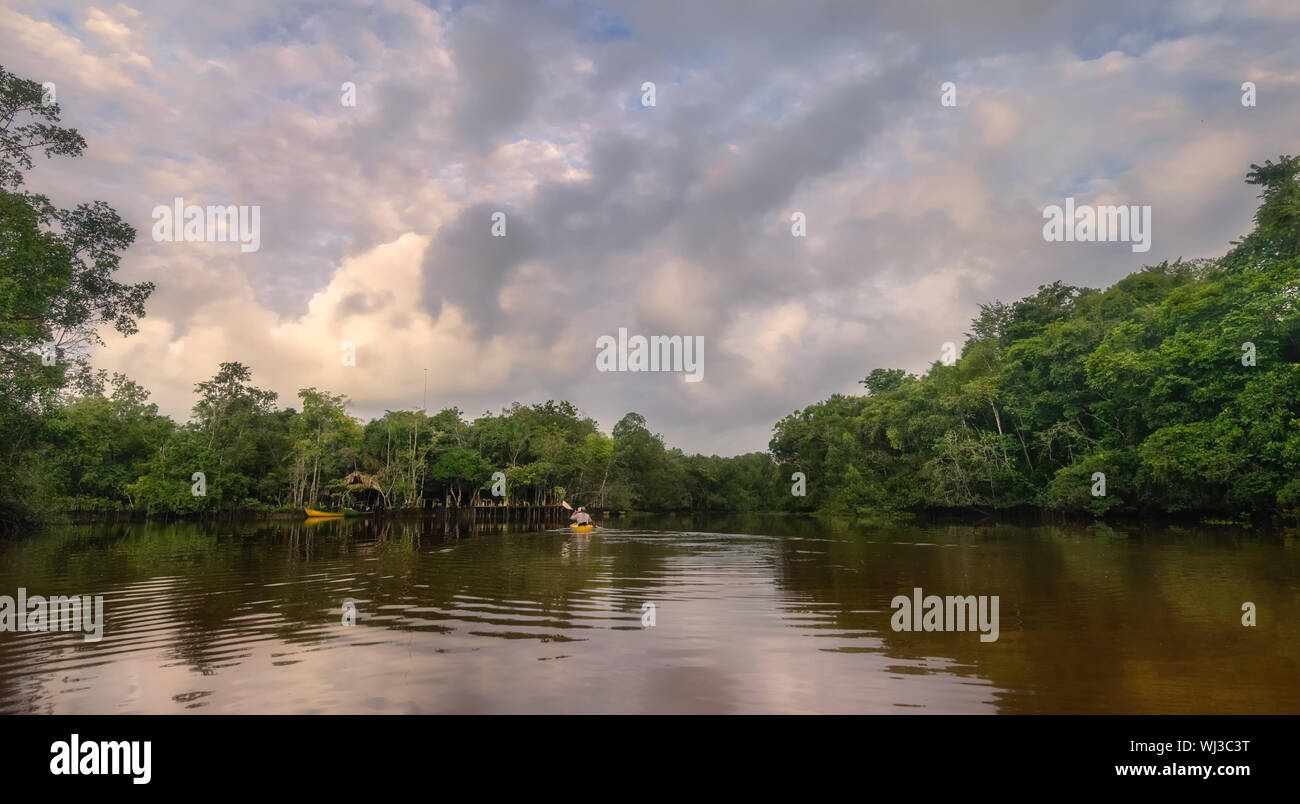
[
  {"x": 56, "y": 285},
  {"x": 326, "y": 446}
]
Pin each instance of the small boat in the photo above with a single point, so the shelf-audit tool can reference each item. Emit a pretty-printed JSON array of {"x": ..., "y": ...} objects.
[
  {"x": 582, "y": 528},
  {"x": 314, "y": 514}
]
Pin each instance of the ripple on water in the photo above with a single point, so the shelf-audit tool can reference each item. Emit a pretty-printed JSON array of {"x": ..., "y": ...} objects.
[{"x": 198, "y": 621}]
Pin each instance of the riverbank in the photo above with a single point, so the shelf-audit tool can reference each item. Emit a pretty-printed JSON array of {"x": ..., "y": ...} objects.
[{"x": 924, "y": 516}]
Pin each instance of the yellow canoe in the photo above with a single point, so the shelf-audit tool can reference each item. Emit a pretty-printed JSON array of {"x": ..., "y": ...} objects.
[
  {"x": 582, "y": 528},
  {"x": 314, "y": 514}
]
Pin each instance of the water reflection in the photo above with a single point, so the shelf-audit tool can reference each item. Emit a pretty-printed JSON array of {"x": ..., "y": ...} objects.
[{"x": 774, "y": 614}]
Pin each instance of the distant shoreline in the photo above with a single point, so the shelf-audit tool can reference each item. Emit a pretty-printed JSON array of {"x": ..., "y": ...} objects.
[{"x": 928, "y": 516}]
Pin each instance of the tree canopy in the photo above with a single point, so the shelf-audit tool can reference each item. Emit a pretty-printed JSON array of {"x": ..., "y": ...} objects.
[
  {"x": 1180, "y": 384},
  {"x": 56, "y": 286}
]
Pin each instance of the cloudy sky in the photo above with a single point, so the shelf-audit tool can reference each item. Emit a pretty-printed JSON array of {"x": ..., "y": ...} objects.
[{"x": 673, "y": 219}]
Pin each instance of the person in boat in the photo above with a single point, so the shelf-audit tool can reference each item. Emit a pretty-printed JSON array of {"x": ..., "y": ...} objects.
[{"x": 581, "y": 517}]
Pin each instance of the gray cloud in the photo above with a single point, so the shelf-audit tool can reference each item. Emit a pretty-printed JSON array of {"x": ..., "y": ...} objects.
[{"x": 668, "y": 220}]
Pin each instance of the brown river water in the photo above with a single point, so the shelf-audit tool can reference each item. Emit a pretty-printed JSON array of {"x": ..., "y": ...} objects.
[{"x": 750, "y": 615}]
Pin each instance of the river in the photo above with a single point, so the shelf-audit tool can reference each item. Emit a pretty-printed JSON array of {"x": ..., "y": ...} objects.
[{"x": 749, "y": 615}]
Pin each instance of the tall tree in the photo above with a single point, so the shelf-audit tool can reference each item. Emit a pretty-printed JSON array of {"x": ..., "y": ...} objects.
[{"x": 56, "y": 281}]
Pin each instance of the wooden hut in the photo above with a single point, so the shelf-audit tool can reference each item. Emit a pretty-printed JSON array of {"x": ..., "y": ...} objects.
[{"x": 365, "y": 492}]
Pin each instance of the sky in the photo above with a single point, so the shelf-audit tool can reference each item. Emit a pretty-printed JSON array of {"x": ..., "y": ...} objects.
[{"x": 666, "y": 219}]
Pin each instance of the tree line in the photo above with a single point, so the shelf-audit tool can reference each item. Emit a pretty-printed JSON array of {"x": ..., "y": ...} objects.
[
  {"x": 111, "y": 450},
  {"x": 1175, "y": 391}
]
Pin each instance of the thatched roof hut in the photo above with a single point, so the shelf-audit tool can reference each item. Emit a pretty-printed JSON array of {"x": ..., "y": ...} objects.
[
  {"x": 365, "y": 489},
  {"x": 360, "y": 479}
]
